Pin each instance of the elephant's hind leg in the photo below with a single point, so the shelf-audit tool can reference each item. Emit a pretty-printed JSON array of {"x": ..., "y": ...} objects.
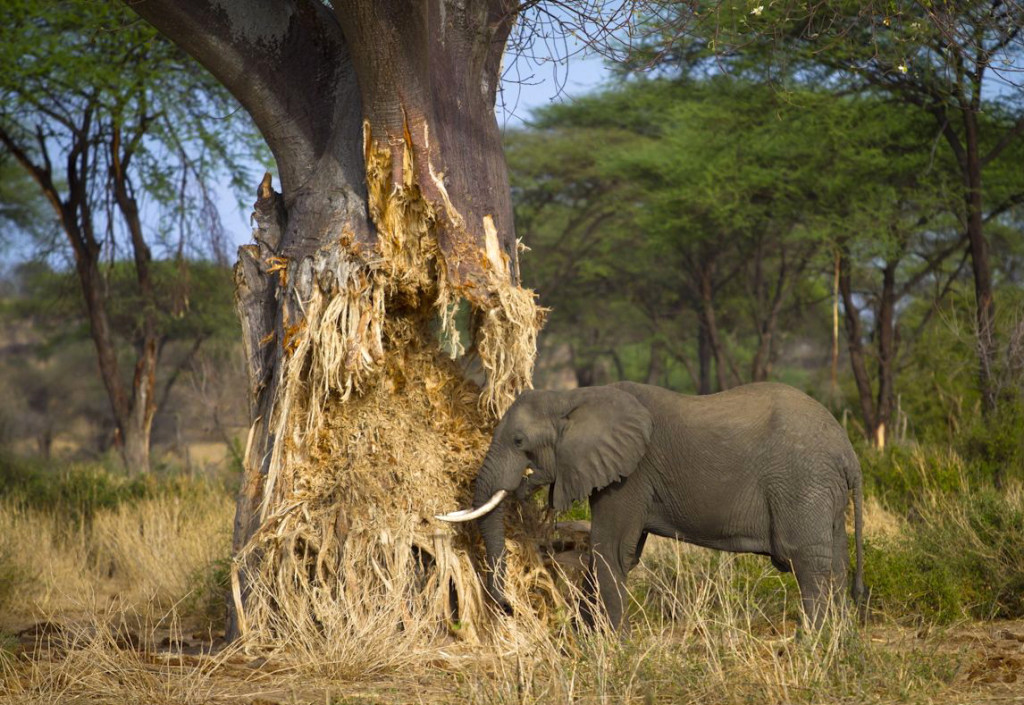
[
  {"x": 840, "y": 556},
  {"x": 813, "y": 570}
]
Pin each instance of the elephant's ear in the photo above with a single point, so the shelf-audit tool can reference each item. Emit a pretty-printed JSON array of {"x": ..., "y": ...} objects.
[{"x": 603, "y": 438}]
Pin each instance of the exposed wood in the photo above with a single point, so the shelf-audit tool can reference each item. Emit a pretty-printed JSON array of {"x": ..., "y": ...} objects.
[
  {"x": 256, "y": 293},
  {"x": 428, "y": 92},
  {"x": 394, "y": 205}
]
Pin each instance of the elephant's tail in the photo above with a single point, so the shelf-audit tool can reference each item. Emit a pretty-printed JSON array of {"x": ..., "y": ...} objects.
[{"x": 858, "y": 590}]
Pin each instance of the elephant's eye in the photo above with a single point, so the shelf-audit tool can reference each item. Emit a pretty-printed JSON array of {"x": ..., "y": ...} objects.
[{"x": 518, "y": 441}]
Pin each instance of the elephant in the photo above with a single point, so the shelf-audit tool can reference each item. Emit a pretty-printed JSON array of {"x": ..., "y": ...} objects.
[{"x": 761, "y": 468}]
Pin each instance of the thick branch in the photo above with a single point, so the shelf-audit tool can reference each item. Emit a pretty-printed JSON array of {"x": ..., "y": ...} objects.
[{"x": 287, "y": 63}]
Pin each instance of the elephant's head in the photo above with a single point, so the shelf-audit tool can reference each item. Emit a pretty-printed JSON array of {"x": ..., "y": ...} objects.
[{"x": 577, "y": 441}]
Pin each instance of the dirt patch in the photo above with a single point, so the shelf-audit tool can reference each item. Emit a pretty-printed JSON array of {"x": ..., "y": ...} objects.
[{"x": 996, "y": 667}]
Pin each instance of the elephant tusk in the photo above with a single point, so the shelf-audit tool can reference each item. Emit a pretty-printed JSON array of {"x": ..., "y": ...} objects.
[{"x": 471, "y": 514}]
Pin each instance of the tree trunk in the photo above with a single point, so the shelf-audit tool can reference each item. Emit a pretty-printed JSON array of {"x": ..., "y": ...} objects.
[
  {"x": 710, "y": 324},
  {"x": 136, "y": 422},
  {"x": 656, "y": 363},
  {"x": 133, "y": 414},
  {"x": 137, "y": 427},
  {"x": 394, "y": 208},
  {"x": 703, "y": 356},
  {"x": 885, "y": 336},
  {"x": 984, "y": 302},
  {"x": 854, "y": 341}
]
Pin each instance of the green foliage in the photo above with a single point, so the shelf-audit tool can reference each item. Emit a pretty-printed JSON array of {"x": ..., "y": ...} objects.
[
  {"x": 715, "y": 197},
  {"x": 962, "y": 556},
  {"x": 903, "y": 474},
  {"x": 579, "y": 510},
  {"x": 77, "y": 71},
  {"x": 210, "y": 586},
  {"x": 193, "y": 300},
  {"x": 74, "y": 493},
  {"x": 995, "y": 443}
]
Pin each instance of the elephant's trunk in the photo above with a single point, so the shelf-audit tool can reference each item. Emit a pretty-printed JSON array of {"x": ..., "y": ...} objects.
[
  {"x": 492, "y": 528},
  {"x": 501, "y": 472}
]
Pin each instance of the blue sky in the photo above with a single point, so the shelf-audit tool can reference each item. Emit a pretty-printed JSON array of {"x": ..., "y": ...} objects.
[
  {"x": 528, "y": 85},
  {"x": 531, "y": 86}
]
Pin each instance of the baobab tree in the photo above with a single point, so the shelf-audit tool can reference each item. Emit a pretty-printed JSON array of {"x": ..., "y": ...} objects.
[{"x": 389, "y": 249}]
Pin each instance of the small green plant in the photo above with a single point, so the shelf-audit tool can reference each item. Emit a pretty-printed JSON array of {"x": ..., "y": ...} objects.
[
  {"x": 207, "y": 601},
  {"x": 903, "y": 474},
  {"x": 994, "y": 444},
  {"x": 961, "y": 556}
]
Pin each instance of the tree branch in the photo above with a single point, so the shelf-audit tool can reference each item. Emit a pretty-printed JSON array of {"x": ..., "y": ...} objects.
[
  {"x": 185, "y": 362},
  {"x": 1004, "y": 141},
  {"x": 931, "y": 264},
  {"x": 41, "y": 175},
  {"x": 286, "y": 61},
  {"x": 1015, "y": 199}
]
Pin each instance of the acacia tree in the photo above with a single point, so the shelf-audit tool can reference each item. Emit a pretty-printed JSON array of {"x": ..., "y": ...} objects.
[
  {"x": 958, "y": 63},
  {"x": 946, "y": 59},
  {"x": 394, "y": 208},
  {"x": 95, "y": 107},
  {"x": 683, "y": 219}
]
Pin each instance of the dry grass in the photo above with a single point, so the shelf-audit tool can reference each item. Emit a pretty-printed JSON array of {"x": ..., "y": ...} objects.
[
  {"x": 42, "y": 563},
  {"x": 154, "y": 549},
  {"x": 114, "y": 654},
  {"x": 707, "y": 628},
  {"x": 143, "y": 552}
]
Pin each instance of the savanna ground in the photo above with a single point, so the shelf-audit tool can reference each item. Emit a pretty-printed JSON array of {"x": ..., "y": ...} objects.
[{"x": 112, "y": 592}]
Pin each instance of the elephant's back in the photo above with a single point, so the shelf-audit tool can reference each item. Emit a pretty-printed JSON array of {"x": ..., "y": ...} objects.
[
  {"x": 756, "y": 421},
  {"x": 747, "y": 406},
  {"x": 745, "y": 455}
]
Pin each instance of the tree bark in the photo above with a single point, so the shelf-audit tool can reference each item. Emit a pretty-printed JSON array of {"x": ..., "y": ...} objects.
[
  {"x": 766, "y": 306},
  {"x": 704, "y": 356},
  {"x": 982, "y": 270},
  {"x": 710, "y": 323},
  {"x": 854, "y": 341},
  {"x": 394, "y": 206},
  {"x": 886, "y": 341},
  {"x": 137, "y": 427}
]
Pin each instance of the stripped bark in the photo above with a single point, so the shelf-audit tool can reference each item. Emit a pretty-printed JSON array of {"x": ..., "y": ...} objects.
[{"x": 394, "y": 206}]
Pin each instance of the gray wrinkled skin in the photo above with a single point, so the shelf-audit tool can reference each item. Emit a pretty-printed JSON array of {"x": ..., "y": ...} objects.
[{"x": 761, "y": 468}]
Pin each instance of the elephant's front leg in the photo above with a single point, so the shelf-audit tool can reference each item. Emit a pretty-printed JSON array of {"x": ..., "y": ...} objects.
[{"x": 616, "y": 538}]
